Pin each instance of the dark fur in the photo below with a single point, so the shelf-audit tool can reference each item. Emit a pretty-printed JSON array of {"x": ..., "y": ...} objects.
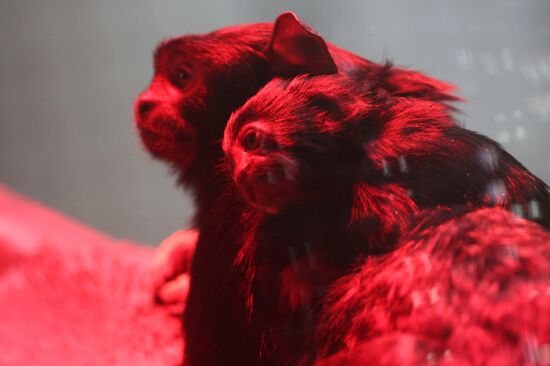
[
  {"x": 340, "y": 165},
  {"x": 463, "y": 288},
  {"x": 181, "y": 118},
  {"x": 225, "y": 68}
]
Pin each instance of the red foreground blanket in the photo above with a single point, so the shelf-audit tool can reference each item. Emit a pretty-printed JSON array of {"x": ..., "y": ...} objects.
[{"x": 72, "y": 296}]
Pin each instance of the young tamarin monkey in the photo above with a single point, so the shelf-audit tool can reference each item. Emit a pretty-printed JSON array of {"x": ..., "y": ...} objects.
[
  {"x": 332, "y": 168},
  {"x": 199, "y": 80}
]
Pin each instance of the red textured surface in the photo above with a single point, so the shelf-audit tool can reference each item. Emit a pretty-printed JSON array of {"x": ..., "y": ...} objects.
[{"x": 72, "y": 296}]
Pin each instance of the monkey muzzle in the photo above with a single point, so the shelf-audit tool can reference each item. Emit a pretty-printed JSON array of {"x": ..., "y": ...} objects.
[{"x": 269, "y": 185}]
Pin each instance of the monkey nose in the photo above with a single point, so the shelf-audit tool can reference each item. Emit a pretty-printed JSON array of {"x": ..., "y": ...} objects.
[{"x": 144, "y": 106}]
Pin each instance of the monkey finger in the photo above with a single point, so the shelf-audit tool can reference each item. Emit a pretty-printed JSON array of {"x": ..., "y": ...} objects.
[
  {"x": 173, "y": 256},
  {"x": 174, "y": 292},
  {"x": 175, "y": 309}
]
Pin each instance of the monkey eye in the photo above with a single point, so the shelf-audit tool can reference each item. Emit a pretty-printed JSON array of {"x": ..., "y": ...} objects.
[
  {"x": 251, "y": 140},
  {"x": 182, "y": 77}
]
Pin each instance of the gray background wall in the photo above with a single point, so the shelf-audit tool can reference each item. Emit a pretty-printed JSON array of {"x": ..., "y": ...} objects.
[{"x": 70, "y": 69}]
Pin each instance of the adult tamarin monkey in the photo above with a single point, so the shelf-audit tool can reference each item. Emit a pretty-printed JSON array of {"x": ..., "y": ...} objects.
[
  {"x": 332, "y": 169},
  {"x": 199, "y": 80}
]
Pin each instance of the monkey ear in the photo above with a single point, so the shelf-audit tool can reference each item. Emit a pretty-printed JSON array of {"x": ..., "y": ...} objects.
[{"x": 297, "y": 49}]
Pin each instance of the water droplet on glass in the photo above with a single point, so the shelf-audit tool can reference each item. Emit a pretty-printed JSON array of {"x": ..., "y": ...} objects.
[
  {"x": 503, "y": 137},
  {"x": 289, "y": 170},
  {"x": 464, "y": 58},
  {"x": 544, "y": 354},
  {"x": 293, "y": 259},
  {"x": 403, "y": 168},
  {"x": 500, "y": 117},
  {"x": 416, "y": 298},
  {"x": 533, "y": 210},
  {"x": 520, "y": 133},
  {"x": 489, "y": 63},
  {"x": 386, "y": 170},
  {"x": 511, "y": 251},
  {"x": 408, "y": 264},
  {"x": 434, "y": 295},
  {"x": 532, "y": 293},
  {"x": 488, "y": 158},
  {"x": 530, "y": 345},
  {"x": 540, "y": 106},
  {"x": 271, "y": 178},
  {"x": 427, "y": 262},
  {"x": 517, "y": 209},
  {"x": 530, "y": 72},
  {"x": 496, "y": 190},
  {"x": 310, "y": 255},
  {"x": 431, "y": 358},
  {"x": 507, "y": 60}
]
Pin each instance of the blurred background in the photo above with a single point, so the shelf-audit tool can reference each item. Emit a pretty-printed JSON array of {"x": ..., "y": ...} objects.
[{"x": 70, "y": 70}]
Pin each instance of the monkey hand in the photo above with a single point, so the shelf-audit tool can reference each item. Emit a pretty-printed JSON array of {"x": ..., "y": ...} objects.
[{"x": 171, "y": 269}]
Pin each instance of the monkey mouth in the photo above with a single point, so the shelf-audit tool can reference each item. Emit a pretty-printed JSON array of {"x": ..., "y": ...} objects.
[
  {"x": 176, "y": 145},
  {"x": 268, "y": 203},
  {"x": 268, "y": 191}
]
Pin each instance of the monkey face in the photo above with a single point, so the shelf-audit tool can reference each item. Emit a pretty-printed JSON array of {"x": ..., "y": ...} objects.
[
  {"x": 160, "y": 111},
  {"x": 295, "y": 138},
  {"x": 197, "y": 83},
  {"x": 262, "y": 169}
]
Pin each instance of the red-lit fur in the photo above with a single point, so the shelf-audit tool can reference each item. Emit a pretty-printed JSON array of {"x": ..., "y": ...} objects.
[
  {"x": 199, "y": 80},
  {"x": 324, "y": 134},
  {"x": 333, "y": 168},
  {"x": 463, "y": 288},
  {"x": 181, "y": 121}
]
